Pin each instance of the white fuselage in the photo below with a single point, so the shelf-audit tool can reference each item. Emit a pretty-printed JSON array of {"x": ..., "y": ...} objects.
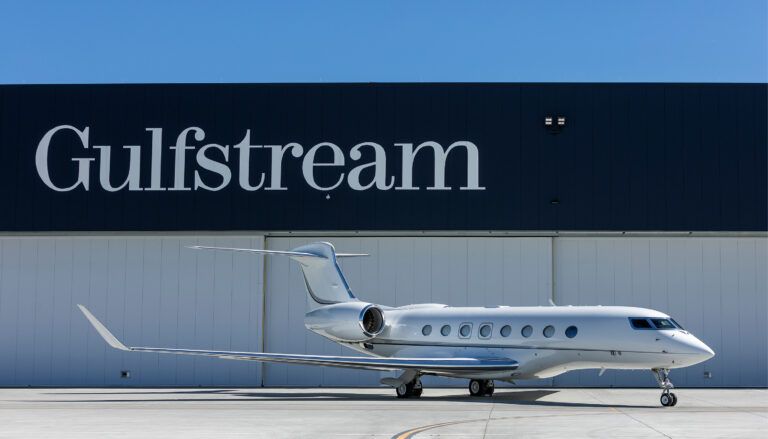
[{"x": 603, "y": 338}]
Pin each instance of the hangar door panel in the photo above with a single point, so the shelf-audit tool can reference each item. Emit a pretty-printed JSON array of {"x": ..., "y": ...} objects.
[
  {"x": 400, "y": 271},
  {"x": 715, "y": 287},
  {"x": 149, "y": 291}
]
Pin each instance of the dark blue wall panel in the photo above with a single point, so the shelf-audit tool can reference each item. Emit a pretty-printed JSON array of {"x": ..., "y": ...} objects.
[{"x": 656, "y": 157}]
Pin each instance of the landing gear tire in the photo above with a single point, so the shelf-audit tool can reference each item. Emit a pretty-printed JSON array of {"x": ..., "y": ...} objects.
[
  {"x": 481, "y": 387},
  {"x": 668, "y": 399},
  {"x": 410, "y": 390},
  {"x": 402, "y": 391},
  {"x": 416, "y": 388},
  {"x": 489, "y": 387},
  {"x": 476, "y": 388}
]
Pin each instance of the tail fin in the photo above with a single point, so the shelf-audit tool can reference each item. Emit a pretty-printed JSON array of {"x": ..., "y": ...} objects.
[{"x": 323, "y": 278}]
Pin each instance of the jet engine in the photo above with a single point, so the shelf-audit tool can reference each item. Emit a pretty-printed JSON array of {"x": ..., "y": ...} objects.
[{"x": 346, "y": 321}]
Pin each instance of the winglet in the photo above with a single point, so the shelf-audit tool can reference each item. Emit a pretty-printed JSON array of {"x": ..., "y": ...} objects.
[{"x": 102, "y": 330}]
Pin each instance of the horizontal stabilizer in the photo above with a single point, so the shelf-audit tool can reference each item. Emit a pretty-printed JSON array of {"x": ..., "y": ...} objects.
[
  {"x": 255, "y": 250},
  {"x": 275, "y": 252},
  {"x": 374, "y": 363},
  {"x": 323, "y": 278}
]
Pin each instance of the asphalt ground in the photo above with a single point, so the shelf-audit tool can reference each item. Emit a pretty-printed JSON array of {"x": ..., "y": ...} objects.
[{"x": 376, "y": 413}]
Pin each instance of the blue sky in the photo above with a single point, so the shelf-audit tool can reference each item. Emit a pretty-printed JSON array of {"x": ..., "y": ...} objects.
[{"x": 366, "y": 41}]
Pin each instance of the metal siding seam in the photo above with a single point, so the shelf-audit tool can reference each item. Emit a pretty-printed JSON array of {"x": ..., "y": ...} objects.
[
  {"x": 552, "y": 270},
  {"x": 261, "y": 338}
]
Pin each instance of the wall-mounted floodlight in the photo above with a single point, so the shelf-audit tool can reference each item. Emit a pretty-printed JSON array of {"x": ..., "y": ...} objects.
[{"x": 554, "y": 124}]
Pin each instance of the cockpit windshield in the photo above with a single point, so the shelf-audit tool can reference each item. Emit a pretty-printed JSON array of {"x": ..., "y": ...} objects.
[
  {"x": 653, "y": 324},
  {"x": 640, "y": 324},
  {"x": 663, "y": 324}
]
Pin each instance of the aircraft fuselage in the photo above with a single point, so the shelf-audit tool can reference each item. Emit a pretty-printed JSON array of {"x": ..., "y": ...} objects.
[{"x": 599, "y": 337}]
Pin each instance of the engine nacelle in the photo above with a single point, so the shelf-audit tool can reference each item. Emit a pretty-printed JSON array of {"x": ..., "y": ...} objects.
[{"x": 347, "y": 321}]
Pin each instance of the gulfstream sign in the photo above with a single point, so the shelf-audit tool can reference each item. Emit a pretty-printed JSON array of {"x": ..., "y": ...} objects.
[{"x": 225, "y": 163}]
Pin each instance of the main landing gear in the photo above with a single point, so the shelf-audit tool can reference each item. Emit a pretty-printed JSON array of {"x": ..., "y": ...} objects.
[
  {"x": 668, "y": 399},
  {"x": 411, "y": 389},
  {"x": 481, "y": 387}
]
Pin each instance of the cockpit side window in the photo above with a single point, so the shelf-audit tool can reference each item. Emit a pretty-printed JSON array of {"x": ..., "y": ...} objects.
[
  {"x": 677, "y": 324},
  {"x": 638, "y": 323},
  {"x": 663, "y": 324}
]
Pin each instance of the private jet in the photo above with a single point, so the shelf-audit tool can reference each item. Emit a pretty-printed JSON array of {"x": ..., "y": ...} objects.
[{"x": 481, "y": 344}]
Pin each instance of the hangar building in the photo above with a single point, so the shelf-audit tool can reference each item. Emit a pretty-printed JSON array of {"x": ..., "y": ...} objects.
[{"x": 651, "y": 195}]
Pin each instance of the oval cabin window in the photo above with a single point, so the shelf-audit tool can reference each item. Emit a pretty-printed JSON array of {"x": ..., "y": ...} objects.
[
  {"x": 445, "y": 330},
  {"x": 485, "y": 331},
  {"x": 426, "y": 330},
  {"x": 571, "y": 331},
  {"x": 527, "y": 331},
  {"x": 465, "y": 330},
  {"x": 505, "y": 331},
  {"x": 549, "y": 331}
]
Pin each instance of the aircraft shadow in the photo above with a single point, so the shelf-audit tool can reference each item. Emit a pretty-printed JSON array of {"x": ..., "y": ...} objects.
[
  {"x": 527, "y": 395},
  {"x": 145, "y": 392},
  {"x": 502, "y": 396}
]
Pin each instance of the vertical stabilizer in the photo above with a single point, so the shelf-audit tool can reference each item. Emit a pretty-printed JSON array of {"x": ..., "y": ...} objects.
[{"x": 323, "y": 278}]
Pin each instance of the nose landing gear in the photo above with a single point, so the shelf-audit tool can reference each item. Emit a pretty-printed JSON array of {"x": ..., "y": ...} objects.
[
  {"x": 481, "y": 387},
  {"x": 668, "y": 399}
]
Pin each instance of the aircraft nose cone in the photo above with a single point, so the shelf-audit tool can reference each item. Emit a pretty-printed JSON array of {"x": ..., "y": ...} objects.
[
  {"x": 706, "y": 351},
  {"x": 699, "y": 350}
]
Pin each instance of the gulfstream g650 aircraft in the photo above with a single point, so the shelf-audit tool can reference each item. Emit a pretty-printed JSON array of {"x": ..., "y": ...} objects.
[{"x": 480, "y": 344}]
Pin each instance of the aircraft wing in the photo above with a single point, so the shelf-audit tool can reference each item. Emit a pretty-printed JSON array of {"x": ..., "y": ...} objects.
[{"x": 374, "y": 363}]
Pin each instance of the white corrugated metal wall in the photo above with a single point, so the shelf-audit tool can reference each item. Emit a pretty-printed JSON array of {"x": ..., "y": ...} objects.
[{"x": 150, "y": 291}]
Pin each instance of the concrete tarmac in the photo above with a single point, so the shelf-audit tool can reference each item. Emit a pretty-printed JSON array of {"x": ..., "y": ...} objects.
[{"x": 376, "y": 413}]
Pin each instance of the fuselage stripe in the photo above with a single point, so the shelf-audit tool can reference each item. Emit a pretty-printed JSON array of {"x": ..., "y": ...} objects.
[{"x": 497, "y": 346}]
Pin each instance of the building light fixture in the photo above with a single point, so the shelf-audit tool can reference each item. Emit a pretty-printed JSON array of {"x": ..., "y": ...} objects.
[{"x": 554, "y": 124}]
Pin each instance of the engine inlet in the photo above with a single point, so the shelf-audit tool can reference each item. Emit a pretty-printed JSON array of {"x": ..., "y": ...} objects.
[{"x": 372, "y": 321}]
